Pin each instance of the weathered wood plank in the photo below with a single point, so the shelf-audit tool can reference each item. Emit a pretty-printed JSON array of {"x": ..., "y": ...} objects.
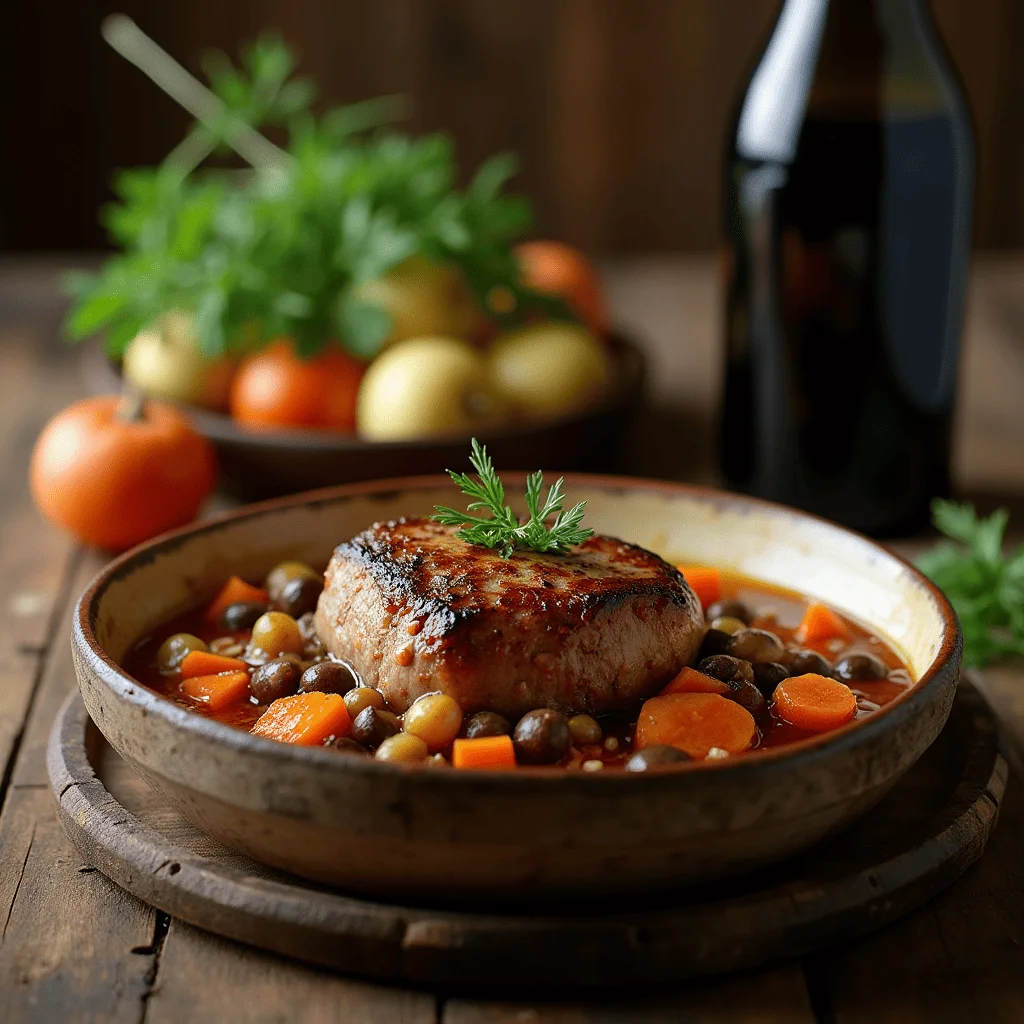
[
  {"x": 74, "y": 946},
  {"x": 961, "y": 958},
  {"x": 776, "y": 996},
  {"x": 58, "y": 678},
  {"x": 33, "y": 555},
  {"x": 205, "y": 978}
]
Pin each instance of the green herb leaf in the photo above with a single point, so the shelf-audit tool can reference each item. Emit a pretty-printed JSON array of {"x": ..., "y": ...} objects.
[
  {"x": 502, "y": 530},
  {"x": 985, "y": 588}
]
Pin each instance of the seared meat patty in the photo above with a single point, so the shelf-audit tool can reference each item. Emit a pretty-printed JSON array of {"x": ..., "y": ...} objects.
[{"x": 414, "y": 609}]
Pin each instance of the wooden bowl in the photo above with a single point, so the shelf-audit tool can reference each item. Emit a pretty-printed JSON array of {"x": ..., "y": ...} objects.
[
  {"x": 260, "y": 464},
  {"x": 420, "y": 832}
]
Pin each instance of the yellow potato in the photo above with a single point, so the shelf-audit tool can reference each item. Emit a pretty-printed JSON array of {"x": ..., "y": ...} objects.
[
  {"x": 165, "y": 362},
  {"x": 424, "y": 299},
  {"x": 425, "y": 387},
  {"x": 549, "y": 368}
]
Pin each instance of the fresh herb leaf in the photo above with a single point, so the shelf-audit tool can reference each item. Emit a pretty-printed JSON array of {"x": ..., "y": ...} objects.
[
  {"x": 985, "y": 588},
  {"x": 502, "y": 530},
  {"x": 279, "y": 251}
]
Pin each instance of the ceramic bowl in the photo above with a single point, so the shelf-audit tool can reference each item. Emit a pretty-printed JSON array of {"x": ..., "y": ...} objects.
[
  {"x": 264, "y": 463},
  {"x": 418, "y": 832}
]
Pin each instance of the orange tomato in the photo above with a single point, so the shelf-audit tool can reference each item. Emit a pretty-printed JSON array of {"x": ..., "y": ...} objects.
[
  {"x": 114, "y": 481},
  {"x": 276, "y": 388},
  {"x": 558, "y": 269}
]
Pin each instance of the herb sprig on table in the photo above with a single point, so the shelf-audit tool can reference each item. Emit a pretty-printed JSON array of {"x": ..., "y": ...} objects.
[
  {"x": 502, "y": 530},
  {"x": 281, "y": 250},
  {"x": 985, "y": 587}
]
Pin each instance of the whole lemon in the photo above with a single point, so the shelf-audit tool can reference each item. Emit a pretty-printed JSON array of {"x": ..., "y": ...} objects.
[
  {"x": 425, "y": 387},
  {"x": 549, "y": 368}
]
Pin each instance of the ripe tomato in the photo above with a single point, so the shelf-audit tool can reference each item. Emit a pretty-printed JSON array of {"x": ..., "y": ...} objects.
[
  {"x": 276, "y": 388},
  {"x": 114, "y": 481},
  {"x": 559, "y": 269}
]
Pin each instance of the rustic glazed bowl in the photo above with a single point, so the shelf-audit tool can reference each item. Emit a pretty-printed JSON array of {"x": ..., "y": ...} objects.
[{"x": 368, "y": 826}]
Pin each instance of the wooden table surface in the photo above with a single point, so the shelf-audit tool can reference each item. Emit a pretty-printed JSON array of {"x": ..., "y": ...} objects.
[{"x": 73, "y": 947}]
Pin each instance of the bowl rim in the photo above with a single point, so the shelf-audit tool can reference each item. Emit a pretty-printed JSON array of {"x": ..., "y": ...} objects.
[{"x": 785, "y": 757}]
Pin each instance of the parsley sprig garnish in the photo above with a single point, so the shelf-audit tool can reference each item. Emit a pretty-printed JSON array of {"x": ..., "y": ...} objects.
[
  {"x": 985, "y": 587},
  {"x": 502, "y": 530}
]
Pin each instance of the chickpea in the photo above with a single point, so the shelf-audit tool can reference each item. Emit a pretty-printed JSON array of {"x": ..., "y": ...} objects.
[
  {"x": 176, "y": 648},
  {"x": 359, "y": 698},
  {"x": 488, "y": 723},
  {"x": 328, "y": 677},
  {"x": 436, "y": 718},
  {"x": 273, "y": 680},
  {"x": 402, "y": 748},
  {"x": 541, "y": 737},
  {"x": 277, "y": 633},
  {"x": 655, "y": 757},
  {"x": 584, "y": 730}
]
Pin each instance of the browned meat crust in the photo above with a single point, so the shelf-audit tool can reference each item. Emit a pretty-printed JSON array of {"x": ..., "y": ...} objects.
[{"x": 414, "y": 609}]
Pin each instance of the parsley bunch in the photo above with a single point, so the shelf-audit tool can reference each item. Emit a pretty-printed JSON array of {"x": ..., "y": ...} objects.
[
  {"x": 502, "y": 529},
  {"x": 985, "y": 588},
  {"x": 280, "y": 250}
]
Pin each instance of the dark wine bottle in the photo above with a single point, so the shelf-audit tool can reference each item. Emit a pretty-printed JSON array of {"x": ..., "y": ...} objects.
[{"x": 848, "y": 207}]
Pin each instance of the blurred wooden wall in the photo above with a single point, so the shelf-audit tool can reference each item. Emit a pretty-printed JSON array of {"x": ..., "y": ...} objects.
[{"x": 617, "y": 107}]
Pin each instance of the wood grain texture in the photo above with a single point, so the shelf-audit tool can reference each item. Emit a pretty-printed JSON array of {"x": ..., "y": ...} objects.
[
  {"x": 205, "y": 978},
  {"x": 619, "y": 110},
  {"x": 776, "y": 996}
]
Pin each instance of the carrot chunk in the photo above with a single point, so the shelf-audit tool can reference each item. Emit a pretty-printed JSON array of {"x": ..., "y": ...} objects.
[
  {"x": 235, "y": 590},
  {"x": 306, "y": 719},
  {"x": 217, "y": 692},
  {"x": 814, "y": 702},
  {"x": 205, "y": 663},
  {"x": 695, "y": 722},
  {"x": 692, "y": 681},
  {"x": 705, "y": 581},
  {"x": 820, "y": 624},
  {"x": 484, "y": 752}
]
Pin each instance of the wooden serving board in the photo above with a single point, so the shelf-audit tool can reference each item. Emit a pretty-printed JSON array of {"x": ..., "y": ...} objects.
[{"x": 919, "y": 839}]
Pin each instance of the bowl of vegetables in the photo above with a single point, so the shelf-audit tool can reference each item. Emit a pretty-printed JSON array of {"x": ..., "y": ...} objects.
[
  {"x": 343, "y": 309},
  {"x": 517, "y": 707}
]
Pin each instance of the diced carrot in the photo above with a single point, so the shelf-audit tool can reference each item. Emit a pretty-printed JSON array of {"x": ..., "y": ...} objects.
[
  {"x": 692, "y": 681},
  {"x": 235, "y": 590},
  {"x": 820, "y": 624},
  {"x": 705, "y": 581},
  {"x": 217, "y": 692},
  {"x": 205, "y": 663},
  {"x": 695, "y": 722},
  {"x": 484, "y": 752},
  {"x": 306, "y": 719},
  {"x": 814, "y": 702}
]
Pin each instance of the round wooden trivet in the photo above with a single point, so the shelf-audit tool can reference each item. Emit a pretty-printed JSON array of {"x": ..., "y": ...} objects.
[{"x": 934, "y": 823}]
